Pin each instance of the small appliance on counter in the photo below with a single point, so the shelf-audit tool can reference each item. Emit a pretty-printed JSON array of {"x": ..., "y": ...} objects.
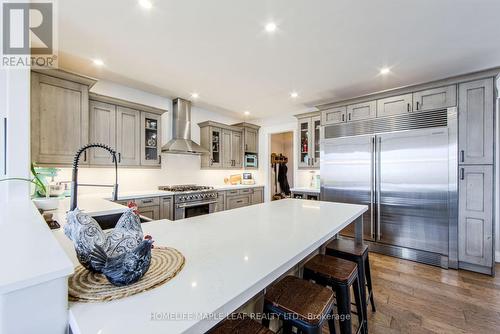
[
  {"x": 248, "y": 179},
  {"x": 251, "y": 161}
]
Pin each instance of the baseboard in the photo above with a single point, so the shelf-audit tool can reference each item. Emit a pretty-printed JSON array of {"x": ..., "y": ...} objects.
[{"x": 497, "y": 256}]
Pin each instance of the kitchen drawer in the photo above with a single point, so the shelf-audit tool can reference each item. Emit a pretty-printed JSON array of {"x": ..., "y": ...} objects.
[
  {"x": 239, "y": 192},
  {"x": 237, "y": 202},
  {"x": 124, "y": 202},
  {"x": 152, "y": 201}
]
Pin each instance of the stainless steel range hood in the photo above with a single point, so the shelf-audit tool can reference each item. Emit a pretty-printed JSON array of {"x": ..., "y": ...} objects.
[{"x": 181, "y": 142}]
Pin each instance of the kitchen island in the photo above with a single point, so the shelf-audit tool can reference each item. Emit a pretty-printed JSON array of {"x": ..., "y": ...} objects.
[{"x": 231, "y": 256}]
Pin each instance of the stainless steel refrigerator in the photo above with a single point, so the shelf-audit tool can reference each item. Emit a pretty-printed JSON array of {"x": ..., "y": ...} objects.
[{"x": 404, "y": 168}]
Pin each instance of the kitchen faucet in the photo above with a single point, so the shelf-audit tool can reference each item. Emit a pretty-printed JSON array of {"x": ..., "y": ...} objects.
[{"x": 74, "y": 178}]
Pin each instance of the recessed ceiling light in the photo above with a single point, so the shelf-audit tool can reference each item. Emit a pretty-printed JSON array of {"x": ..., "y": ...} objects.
[
  {"x": 146, "y": 4},
  {"x": 195, "y": 95},
  {"x": 385, "y": 70},
  {"x": 271, "y": 27},
  {"x": 246, "y": 113},
  {"x": 294, "y": 95},
  {"x": 98, "y": 62}
]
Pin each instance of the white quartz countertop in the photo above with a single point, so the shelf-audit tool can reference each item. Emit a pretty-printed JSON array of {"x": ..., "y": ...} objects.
[
  {"x": 29, "y": 253},
  {"x": 305, "y": 190},
  {"x": 238, "y": 186},
  {"x": 230, "y": 257}
]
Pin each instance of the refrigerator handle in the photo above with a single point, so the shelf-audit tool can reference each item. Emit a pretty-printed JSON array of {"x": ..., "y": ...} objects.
[
  {"x": 377, "y": 182},
  {"x": 372, "y": 187}
]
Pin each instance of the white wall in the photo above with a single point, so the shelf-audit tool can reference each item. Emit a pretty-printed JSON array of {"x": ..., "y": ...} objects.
[
  {"x": 176, "y": 168},
  {"x": 15, "y": 105}
]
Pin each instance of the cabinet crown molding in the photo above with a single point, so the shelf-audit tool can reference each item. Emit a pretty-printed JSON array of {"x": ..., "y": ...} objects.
[
  {"x": 125, "y": 103},
  {"x": 69, "y": 76}
]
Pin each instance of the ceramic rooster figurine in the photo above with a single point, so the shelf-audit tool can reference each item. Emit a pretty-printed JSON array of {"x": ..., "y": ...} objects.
[
  {"x": 86, "y": 235},
  {"x": 126, "y": 268}
]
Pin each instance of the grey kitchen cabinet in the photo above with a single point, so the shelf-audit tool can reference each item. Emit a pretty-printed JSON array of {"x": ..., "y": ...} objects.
[
  {"x": 359, "y": 111},
  {"x": 128, "y": 136},
  {"x": 435, "y": 98},
  {"x": 221, "y": 201},
  {"x": 211, "y": 139},
  {"x": 237, "y": 149},
  {"x": 232, "y": 146},
  {"x": 476, "y": 122},
  {"x": 150, "y": 139},
  {"x": 102, "y": 131},
  {"x": 475, "y": 227},
  {"x": 395, "y": 105},
  {"x": 167, "y": 207},
  {"x": 334, "y": 115},
  {"x": 258, "y": 196},
  {"x": 234, "y": 202},
  {"x": 250, "y": 137},
  {"x": 151, "y": 212},
  {"x": 309, "y": 141},
  {"x": 59, "y": 117}
]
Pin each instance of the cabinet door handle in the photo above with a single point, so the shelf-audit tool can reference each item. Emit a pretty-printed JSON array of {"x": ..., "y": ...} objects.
[
  {"x": 119, "y": 158},
  {"x": 408, "y": 107},
  {"x": 349, "y": 116},
  {"x": 462, "y": 173},
  {"x": 85, "y": 155},
  {"x": 147, "y": 201},
  {"x": 417, "y": 104},
  {"x": 343, "y": 118},
  {"x": 462, "y": 156}
]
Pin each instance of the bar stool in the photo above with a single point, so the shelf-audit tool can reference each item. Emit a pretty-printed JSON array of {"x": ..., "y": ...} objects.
[
  {"x": 348, "y": 249},
  {"x": 241, "y": 325},
  {"x": 301, "y": 304},
  {"x": 339, "y": 274}
]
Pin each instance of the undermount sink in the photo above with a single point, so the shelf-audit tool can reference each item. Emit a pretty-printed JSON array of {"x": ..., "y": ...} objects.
[{"x": 109, "y": 221}]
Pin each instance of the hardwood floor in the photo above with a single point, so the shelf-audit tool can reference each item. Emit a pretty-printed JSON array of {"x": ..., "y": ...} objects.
[{"x": 417, "y": 298}]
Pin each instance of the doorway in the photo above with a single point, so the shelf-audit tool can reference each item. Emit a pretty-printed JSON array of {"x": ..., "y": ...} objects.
[{"x": 281, "y": 165}]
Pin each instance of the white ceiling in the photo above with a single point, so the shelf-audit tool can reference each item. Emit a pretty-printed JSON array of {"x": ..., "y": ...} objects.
[{"x": 326, "y": 50}]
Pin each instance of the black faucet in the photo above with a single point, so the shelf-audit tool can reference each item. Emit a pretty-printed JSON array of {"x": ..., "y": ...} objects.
[{"x": 74, "y": 182}]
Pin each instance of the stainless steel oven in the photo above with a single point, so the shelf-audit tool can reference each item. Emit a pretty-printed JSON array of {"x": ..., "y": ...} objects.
[
  {"x": 251, "y": 160},
  {"x": 192, "y": 205},
  {"x": 188, "y": 210}
]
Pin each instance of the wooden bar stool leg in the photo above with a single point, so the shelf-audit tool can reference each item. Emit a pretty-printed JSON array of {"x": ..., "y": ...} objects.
[
  {"x": 369, "y": 283},
  {"x": 331, "y": 323},
  {"x": 362, "y": 283},
  {"x": 359, "y": 309},
  {"x": 344, "y": 308}
]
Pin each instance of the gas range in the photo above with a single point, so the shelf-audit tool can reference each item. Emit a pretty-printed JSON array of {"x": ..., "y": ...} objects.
[{"x": 192, "y": 200}]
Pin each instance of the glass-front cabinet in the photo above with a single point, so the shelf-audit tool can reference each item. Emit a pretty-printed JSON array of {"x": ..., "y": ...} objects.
[
  {"x": 309, "y": 141},
  {"x": 150, "y": 139},
  {"x": 216, "y": 151}
]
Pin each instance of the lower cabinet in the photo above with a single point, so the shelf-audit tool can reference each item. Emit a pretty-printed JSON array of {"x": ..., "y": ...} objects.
[
  {"x": 167, "y": 208},
  {"x": 258, "y": 196},
  {"x": 234, "y": 202},
  {"x": 475, "y": 217},
  {"x": 238, "y": 198},
  {"x": 221, "y": 200},
  {"x": 152, "y": 212}
]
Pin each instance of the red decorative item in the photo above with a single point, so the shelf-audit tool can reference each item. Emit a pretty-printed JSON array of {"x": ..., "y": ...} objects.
[
  {"x": 133, "y": 205},
  {"x": 148, "y": 237}
]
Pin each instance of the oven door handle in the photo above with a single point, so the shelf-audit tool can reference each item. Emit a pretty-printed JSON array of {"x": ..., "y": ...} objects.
[{"x": 188, "y": 205}]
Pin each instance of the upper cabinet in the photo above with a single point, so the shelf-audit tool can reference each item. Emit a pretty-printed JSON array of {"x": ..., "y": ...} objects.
[
  {"x": 59, "y": 117},
  {"x": 334, "y": 115},
  {"x": 227, "y": 144},
  {"x": 309, "y": 140},
  {"x": 394, "y": 105},
  {"x": 250, "y": 137},
  {"x": 476, "y": 122},
  {"x": 150, "y": 139},
  {"x": 359, "y": 111},
  {"x": 436, "y": 98},
  {"x": 102, "y": 130},
  {"x": 65, "y": 117}
]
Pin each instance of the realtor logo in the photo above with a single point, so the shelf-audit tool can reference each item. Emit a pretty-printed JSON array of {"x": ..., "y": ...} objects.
[{"x": 28, "y": 34}]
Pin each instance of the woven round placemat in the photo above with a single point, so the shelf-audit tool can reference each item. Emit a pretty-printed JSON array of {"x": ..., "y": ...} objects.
[{"x": 85, "y": 286}]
